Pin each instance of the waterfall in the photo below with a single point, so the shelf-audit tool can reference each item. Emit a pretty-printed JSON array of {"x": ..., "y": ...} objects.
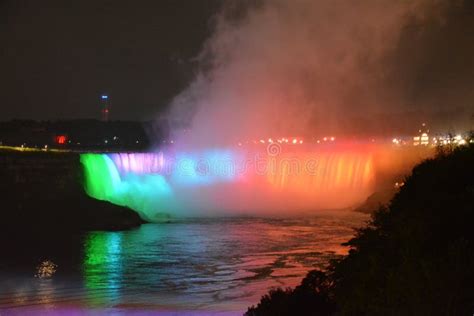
[{"x": 229, "y": 181}]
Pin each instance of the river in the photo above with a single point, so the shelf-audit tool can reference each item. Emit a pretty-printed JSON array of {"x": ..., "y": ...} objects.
[{"x": 206, "y": 265}]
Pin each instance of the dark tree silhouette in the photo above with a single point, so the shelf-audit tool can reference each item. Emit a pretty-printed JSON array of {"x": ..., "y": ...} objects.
[{"x": 313, "y": 295}]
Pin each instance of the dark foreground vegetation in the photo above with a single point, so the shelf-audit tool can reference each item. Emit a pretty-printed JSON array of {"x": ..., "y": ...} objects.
[{"x": 416, "y": 256}]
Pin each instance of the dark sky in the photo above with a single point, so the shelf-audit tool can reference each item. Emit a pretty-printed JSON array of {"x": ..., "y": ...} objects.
[{"x": 57, "y": 57}]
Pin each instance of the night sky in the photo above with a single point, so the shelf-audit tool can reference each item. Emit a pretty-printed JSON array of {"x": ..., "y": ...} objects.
[{"x": 58, "y": 56}]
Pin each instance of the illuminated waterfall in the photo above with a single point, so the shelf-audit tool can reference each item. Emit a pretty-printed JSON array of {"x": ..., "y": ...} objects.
[
  {"x": 331, "y": 173},
  {"x": 157, "y": 185},
  {"x": 140, "y": 163},
  {"x": 140, "y": 192}
]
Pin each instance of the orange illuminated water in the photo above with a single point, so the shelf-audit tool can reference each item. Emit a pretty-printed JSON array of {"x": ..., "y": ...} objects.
[{"x": 325, "y": 179}]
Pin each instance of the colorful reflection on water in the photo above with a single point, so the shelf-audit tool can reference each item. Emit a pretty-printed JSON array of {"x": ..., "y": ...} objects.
[
  {"x": 221, "y": 264},
  {"x": 102, "y": 266},
  {"x": 205, "y": 265}
]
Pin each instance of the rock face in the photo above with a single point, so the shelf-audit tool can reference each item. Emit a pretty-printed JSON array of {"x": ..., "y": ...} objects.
[
  {"x": 43, "y": 190},
  {"x": 376, "y": 200}
]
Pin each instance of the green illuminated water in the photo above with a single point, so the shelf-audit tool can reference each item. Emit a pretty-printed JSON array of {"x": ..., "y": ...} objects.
[
  {"x": 146, "y": 194},
  {"x": 101, "y": 179}
]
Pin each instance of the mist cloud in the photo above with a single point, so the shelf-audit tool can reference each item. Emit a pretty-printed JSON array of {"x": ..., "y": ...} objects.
[{"x": 345, "y": 67}]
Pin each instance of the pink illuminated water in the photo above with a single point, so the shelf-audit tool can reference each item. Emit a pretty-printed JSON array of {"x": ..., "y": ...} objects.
[{"x": 139, "y": 163}]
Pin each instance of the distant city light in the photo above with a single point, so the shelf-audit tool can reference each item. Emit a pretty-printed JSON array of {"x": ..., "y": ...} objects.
[
  {"x": 61, "y": 139},
  {"x": 399, "y": 184}
]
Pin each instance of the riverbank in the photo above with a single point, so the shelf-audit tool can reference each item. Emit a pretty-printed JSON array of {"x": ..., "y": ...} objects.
[{"x": 43, "y": 190}]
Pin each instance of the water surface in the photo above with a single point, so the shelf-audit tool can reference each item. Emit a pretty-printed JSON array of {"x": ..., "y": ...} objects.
[{"x": 206, "y": 265}]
